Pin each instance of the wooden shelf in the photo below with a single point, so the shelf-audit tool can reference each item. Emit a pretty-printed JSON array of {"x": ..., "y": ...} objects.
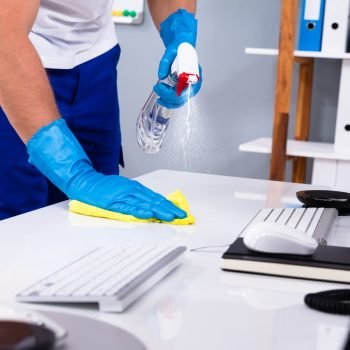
[
  {"x": 306, "y": 149},
  {"x": 312, "y": 54}
]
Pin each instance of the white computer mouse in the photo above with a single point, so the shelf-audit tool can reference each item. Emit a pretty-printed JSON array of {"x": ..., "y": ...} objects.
[{"x": 268, "y": 237}]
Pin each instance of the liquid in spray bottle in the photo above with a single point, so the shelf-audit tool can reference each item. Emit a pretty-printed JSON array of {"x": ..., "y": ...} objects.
[{"x": 153, "y": 120}]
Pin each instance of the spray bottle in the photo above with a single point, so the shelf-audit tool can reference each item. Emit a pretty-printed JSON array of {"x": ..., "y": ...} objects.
[{"x": 154, "y": 118}]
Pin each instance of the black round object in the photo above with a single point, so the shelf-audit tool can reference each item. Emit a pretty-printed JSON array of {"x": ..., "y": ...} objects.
[
  {"x": 331, "y": 301},
  {"x": 16, "y": 335},
  {"x": 326, "y": 199},
  {"x": 335, "y": 25},
  {"x": 311, "y": 25}
]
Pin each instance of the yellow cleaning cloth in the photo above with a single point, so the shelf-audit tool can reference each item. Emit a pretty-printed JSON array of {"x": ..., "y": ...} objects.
[{"x": 176, "y": 198}]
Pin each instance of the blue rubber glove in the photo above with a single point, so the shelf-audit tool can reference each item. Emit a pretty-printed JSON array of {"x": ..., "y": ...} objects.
[
  {"x": 179, "y": 27},
  {"x": 56, "y": 152}
]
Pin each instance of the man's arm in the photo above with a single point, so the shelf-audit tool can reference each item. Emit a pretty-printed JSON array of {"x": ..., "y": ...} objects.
[
  {"x": 161, "y": 9},
  {"x": 25, "y": 92},
  {"x": 29, "y": 103}
]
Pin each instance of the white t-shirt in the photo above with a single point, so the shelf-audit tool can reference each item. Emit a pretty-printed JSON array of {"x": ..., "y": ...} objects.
[{"x": 67, "y": 33}]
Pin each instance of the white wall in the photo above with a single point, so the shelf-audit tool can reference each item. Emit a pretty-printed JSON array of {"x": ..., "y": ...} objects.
[{"x": 236, "y": 101}]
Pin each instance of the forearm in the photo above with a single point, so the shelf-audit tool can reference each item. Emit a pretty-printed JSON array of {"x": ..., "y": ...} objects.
[
  {"x": 161, "y": 9},
  {"x": 25, "y": 93}
]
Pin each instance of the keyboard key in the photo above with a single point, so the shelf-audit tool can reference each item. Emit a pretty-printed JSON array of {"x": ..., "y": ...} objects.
[
  {"x": 285, "y": 216},
  {"x": 315, "y": 220},
  {"x": 305, "y": 220},
  {"x": 296, "y": 217},
  {"x": 274, "y": 215}
]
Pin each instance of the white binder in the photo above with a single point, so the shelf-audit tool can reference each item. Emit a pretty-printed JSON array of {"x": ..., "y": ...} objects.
[
  {"x": 342, "y": 129},
  {"x": 335, "y": 27}
]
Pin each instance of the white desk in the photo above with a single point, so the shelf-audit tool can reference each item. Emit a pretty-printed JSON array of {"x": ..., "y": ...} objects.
[{"x": 198, "y": 306}]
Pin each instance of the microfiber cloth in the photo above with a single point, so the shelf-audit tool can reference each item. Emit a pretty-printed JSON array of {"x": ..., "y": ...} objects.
[{"x": 176, "y": 198}]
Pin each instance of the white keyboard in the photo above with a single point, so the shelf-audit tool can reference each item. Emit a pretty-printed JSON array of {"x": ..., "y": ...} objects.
[
  {"x": 113, "y": 277},
  {"x": 315, "y": 222}
]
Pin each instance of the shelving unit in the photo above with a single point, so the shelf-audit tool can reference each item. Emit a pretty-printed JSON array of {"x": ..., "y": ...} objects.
[
  {"x": 331, "y": 160},
  {"x": 330, "y": 168},
  {"x": 297, "y": 53}
]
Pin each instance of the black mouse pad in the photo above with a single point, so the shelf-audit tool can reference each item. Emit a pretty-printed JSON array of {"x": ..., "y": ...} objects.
[{"x": 89, "y": 334}]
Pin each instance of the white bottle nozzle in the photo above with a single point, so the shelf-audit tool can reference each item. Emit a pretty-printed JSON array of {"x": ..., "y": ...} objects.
[{"x": 185, "y": 66}]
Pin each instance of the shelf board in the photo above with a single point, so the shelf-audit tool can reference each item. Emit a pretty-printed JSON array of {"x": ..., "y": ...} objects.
[
  {"x": 306, "y": 149},
  {"x": 297, "y": 53}
]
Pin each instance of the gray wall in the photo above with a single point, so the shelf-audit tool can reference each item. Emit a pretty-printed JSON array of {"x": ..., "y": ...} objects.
[{"x": 235, "y": 104}]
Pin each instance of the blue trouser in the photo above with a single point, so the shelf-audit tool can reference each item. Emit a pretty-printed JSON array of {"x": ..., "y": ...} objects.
[{"x": 87, "y": 99}]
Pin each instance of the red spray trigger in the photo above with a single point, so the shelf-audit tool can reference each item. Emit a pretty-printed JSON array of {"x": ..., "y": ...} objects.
[
  {"x": 182, "y": 83},
  {"x": 184, "y": 79}
]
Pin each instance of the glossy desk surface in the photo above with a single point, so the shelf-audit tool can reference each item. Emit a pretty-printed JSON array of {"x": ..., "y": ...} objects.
[{"x": 198, "y": 306}]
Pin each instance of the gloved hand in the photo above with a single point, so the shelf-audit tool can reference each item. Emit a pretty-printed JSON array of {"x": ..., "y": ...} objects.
[
  {"x": 56, "y": 152},
  {"x": 168, "y": 96},
  {"x": 179, "y": 27}
]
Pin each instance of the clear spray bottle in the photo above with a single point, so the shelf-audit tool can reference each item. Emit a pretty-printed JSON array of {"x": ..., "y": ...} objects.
[{"x": 153, "y": 120}]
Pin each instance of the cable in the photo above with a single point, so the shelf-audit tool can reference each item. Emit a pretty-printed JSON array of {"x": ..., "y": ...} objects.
[
  {"x": 202, "y": 249},
  {"x": 347, "y": 344},
  {"x": 330, "y": 301},
  {"x": 335, "y": 301}
]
